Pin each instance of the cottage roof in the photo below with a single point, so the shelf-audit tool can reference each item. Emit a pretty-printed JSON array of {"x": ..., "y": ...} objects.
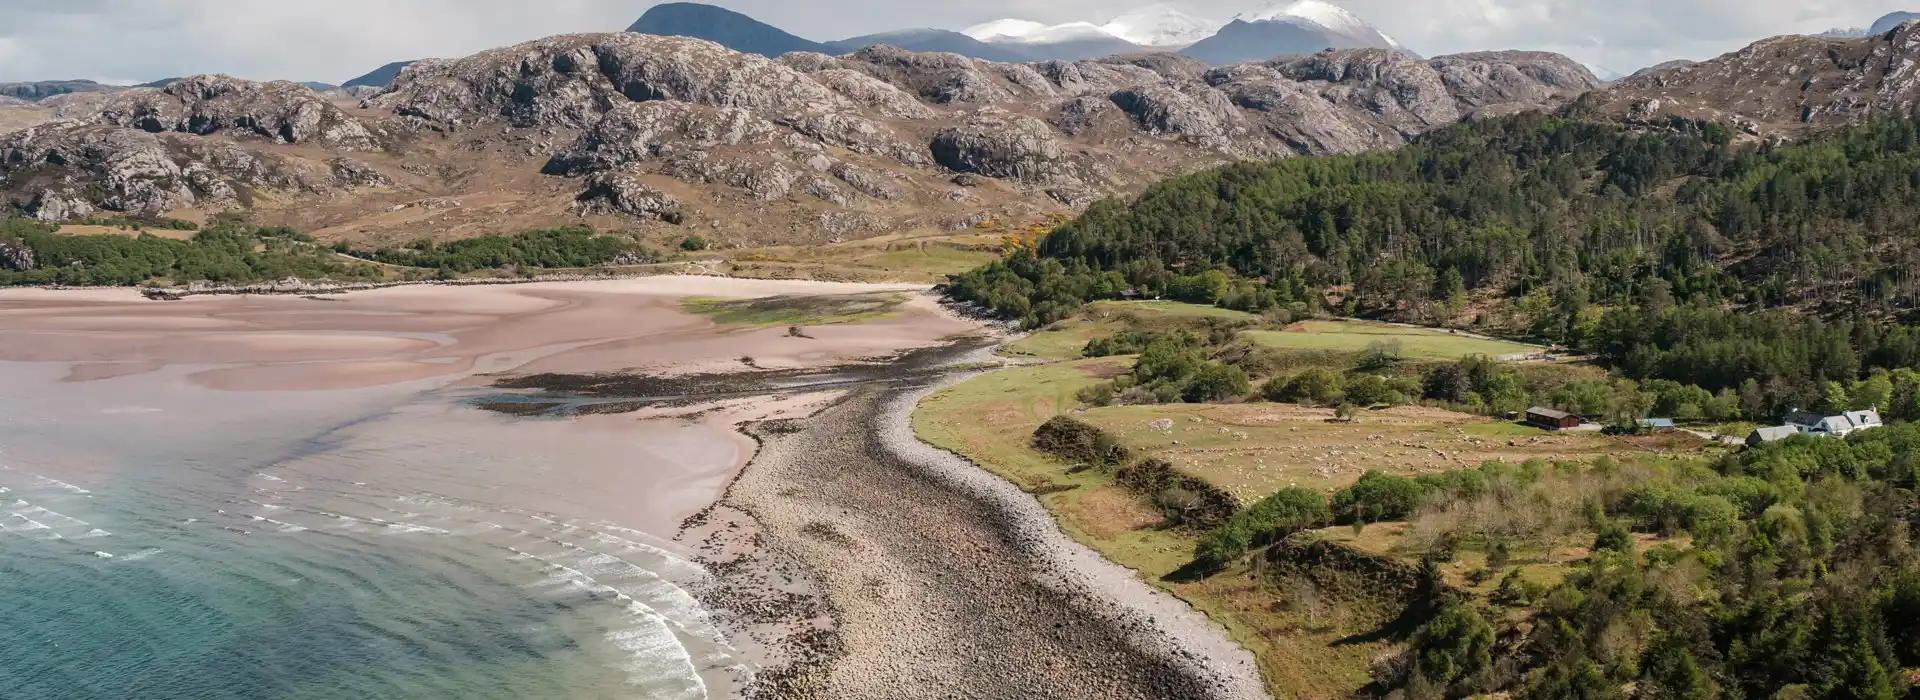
[
  {"x": 1773, "y": 433},
  {"x": 1548, "y": 413},
  {"x": 1865, "y": 418},
  {"x": 1804, "y": 418}
]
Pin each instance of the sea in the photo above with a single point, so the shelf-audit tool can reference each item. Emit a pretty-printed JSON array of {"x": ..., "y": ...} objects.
[{"x": 160, "y": 541}]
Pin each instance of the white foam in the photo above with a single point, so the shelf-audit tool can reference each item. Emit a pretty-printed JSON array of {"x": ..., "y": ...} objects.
[
  {"x": 284, "y": 526},
  {"x": 62, "y": 525},
  {"x": 103, "y": 555},
  {"x": 44, "y": 481},
  {"x": 141, "y": 555},
  {"x": 657, "y": 663}
]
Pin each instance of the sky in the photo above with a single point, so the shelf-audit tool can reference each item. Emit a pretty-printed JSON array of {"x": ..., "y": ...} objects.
[{"x": 129, "y": 41}]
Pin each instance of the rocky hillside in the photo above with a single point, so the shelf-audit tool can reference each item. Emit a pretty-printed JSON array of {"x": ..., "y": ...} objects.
[
  {"x": 1780, "y": 86},
  {"x": 681, "y": 134}
]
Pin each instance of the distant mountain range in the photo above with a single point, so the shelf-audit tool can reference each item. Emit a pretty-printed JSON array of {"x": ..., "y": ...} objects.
[
  {"x": 1305, "y": 26},
  {"x": 1881, "y": 26},
  {"x": 1288, "y": 27},
  {"x": 40, "y": 90},
  {"x": 721, "y": 26},
  {"x": 380, "y": 77},
  {"x": 1283, "y": 28}
]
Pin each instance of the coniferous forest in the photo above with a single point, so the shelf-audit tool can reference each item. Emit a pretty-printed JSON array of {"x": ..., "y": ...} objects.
[{"x": 1555, "y": 214}]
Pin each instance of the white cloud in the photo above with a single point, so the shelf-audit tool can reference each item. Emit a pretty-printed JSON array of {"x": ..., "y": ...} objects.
[{"x": 338, "y": 39}]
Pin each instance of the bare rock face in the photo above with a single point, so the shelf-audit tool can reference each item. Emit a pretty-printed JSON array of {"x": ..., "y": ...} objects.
[
  {"x": 572, "y": 80},
  {"x": 69, "y": 169},
  {"x": 16, "y": 256},
  {"x": 1780, "y": 86},
  {"x": 873, "y": 94},
  {"x": 73, "y": 169},
  {"x": 639, "y": 131},
  {"x": 940, "y": 78},
  {"x": 1205, "y": 117},
  {"x": 1492, "y": 78},
  {"x": 997, "y": 144},
  {"x": 207, "y": 104},
  {"x": 771, "y": 150},
  {"x": 624, "y": 193}
]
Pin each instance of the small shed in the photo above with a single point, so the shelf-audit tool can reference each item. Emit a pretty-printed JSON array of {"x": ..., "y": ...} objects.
[
  {"x": 1771, "y": 434},
  {"x": 1551, "y": 419},
  {"x": 1658, "y": 425}
]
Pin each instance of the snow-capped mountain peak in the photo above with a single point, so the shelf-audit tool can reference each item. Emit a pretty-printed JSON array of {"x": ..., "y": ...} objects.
[
  {"x": 1020, "y": 31},
  {"x": 1161, "y": 25},
  {"x": 1004, "y": 30},
  {"x": 1326, "y": 15},
  {"x": 1071, "y": 31}
]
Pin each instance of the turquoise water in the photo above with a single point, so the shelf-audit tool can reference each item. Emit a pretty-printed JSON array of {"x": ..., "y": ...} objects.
[{"x": 162, "y": 543}]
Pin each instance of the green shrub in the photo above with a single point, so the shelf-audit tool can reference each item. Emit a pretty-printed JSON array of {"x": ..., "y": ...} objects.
[
  {"x": 1454, "y": 648},
  {"x": 1076, "y": 441},
  {"x": 1291, "y": 510},
  {"x": 1379, "y": 496},
  {"x": 1186, "y": 500},
  {"x": 693, "y": 243},
  {"x": 1216, "y": 382},
  {"x": 1314, "y": 386}
]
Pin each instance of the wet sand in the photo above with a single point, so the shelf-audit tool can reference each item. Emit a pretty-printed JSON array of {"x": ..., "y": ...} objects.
[
  {"x": 425, "y": 337},
  {"x": 403, "y": 334}
]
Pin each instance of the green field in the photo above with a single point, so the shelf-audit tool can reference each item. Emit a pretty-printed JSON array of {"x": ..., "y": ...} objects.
[
  {"x": 1065, "y": 340},
  {"x": 1176, "y": 308},
  {"x": 795, "y": 311},
  {"x": 930, "y": 258},
  {"x": 1355, "y": 336}
]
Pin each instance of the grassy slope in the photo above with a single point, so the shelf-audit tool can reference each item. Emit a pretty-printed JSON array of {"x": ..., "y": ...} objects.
[
  {"x": 1255, "y": 449},
  {"x": 1065, "y": 340},
  {"x": 1419, "y": 343},
  {"x": 927, "y": 259},
  {"x": 1305, "y": 649},
  {"x": 990, "y": 419}
]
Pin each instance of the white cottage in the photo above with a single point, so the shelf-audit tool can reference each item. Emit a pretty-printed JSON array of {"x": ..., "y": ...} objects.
[{"x": 1840, "y": 425}]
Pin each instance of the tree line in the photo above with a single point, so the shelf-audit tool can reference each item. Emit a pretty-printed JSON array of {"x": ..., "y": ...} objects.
[
  {"x": 564, "y": 247},
  {"x": 227, "y": 251},
  {"x": 1578, "y": 213},
  {"x": 230, "y": 251}
]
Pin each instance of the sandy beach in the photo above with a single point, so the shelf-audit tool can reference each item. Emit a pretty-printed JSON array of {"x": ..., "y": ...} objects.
[{"x": 847, "y": 559}]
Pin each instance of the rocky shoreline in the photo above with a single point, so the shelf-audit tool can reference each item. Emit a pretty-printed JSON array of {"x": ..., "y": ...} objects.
[{"x": 871, "y": 565}]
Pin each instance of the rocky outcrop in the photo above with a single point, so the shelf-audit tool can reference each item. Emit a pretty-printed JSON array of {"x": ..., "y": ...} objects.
[
  {"x": 1780, "y": 86},
  {"x": 787, "y": 149},
  {"x": 624, "y": 193},
  {"x": 997, "y": 144},
  {"x": 1205, "y": 117},
  {"x": 635, "y": 132},
  {"x": 16, "y": 255},
  {"x": 69, "y": 169},
  {"x": 208, "y": 104},
  {"x": 572, "y": 80},
  {"x": 877, "y": 96}
]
